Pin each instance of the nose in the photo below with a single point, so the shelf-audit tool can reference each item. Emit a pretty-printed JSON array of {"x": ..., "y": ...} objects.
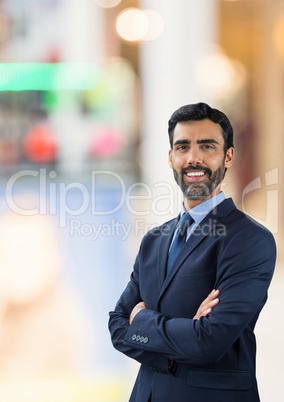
[{"x": 194, "y": 156}]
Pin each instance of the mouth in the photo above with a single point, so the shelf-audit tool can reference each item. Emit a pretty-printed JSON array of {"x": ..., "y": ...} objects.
[{"x": 195, "y": 176}]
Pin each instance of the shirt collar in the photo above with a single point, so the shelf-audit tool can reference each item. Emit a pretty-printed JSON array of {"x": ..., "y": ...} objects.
[{"x": 199, "y": 212}]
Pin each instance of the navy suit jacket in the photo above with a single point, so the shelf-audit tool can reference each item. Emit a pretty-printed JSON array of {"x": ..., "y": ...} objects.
[{"x": 211, "y": 359}]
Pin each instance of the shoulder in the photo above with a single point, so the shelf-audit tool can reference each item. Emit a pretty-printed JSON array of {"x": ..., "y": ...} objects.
[
  {"x": 241, "y": 225},
  {"x": 248, "y": 222},
  {"x": 227, "y": 211},
  {"x": 250, "y": 234}
]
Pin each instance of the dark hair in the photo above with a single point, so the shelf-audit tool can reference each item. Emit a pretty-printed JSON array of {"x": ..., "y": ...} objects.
[{"x": 202, "y": 111}]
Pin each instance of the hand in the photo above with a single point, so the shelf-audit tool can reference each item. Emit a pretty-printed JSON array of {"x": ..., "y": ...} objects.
[
  {"x": 207, "y": 305},
  {"x": 139, "y": 307}
]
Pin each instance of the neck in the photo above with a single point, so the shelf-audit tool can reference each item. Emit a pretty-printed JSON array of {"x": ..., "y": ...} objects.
[{"x": 191, "y": 203}]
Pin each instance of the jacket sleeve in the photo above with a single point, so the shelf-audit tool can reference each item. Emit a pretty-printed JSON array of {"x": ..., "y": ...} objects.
[
  {"x": 119, "y": 326},
  {"x": 245, "y": 269}
]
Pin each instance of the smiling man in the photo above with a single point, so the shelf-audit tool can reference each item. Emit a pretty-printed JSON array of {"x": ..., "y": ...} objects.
[
  {"x": 193, "y": 347},
  {"x": 199, "y": 158}
]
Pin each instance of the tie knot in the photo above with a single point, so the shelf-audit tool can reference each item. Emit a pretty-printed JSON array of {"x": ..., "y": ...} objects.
[{"x": 185, "y": 222}]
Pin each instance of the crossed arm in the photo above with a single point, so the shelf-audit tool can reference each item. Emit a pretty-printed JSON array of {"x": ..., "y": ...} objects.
[
  {"x": 205, "y": 307},
  {"x": 243, "y": 279}
]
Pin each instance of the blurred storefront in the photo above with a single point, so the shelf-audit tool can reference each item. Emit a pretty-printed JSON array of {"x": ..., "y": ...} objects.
[
  {"x": 252, "y": 32},
  {"x": 230, "y": 54},
  {"x": 86, "y": 90}
]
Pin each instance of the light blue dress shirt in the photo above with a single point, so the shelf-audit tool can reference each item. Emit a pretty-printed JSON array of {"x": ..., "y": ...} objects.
[{"x": 199, "y": 212}]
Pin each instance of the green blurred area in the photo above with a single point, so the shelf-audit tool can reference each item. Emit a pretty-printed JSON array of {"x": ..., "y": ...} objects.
[{"x": 48, "y": 76}]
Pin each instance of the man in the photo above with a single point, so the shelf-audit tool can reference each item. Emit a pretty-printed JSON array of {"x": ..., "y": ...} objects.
[{"x": 194, "y": 348}]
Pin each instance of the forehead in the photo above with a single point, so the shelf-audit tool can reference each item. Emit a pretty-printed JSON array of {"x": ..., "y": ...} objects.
[{"x": 201, "y": 129}]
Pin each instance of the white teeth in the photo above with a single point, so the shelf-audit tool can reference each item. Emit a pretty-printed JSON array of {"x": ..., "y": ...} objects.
[{"x": 190, "y": 174}]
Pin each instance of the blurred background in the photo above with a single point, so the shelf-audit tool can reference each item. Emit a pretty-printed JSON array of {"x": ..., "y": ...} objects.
[{"x": 86, "y": 91}]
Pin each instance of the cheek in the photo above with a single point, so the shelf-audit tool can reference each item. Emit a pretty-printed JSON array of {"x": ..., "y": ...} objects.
[
  {"x": 217, "y": 163},
  {"x": 179, "y": 161}
]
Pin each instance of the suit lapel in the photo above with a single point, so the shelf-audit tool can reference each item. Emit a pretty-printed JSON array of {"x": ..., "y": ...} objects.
[
  {"x": 208, "y": 225},
  {"x": 167, "y": 231}
]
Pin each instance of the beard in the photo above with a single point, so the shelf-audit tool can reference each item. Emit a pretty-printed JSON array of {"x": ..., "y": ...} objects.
[{"x": 204, "y": 189}]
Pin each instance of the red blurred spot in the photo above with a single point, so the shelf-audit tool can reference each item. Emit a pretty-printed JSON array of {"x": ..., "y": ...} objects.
[
  {"x": 106, "y": 143},
  {"x": 40, "y": 144}
]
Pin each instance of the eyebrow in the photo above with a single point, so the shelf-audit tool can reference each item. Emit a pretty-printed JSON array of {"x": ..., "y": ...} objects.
[{"x": 205, "y": 141}]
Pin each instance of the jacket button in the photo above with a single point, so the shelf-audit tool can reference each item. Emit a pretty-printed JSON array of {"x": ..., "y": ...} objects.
[
  {"x": 142, "y": 339},
  {"x": 146, "y": 339},
  {"x": 133, "y": 337},
  {"x": 138, "y": 338}
]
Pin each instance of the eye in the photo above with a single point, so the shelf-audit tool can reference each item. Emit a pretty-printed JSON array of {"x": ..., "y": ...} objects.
[
  {"x": 182, "y": 147},
  {"x": 207, "y": 146}
]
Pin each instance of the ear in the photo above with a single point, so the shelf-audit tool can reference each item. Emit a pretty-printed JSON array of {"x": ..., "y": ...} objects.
[
  {"x": 229, "y": 159},
  {"x": 170, "y": 158}
]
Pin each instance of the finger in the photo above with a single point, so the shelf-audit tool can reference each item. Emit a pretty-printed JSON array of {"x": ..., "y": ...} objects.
[
  {"x": 207, "y": 308},
  {"x": 208, "y": 304},
  {"x": 211, "y": 304},
  {"x": 139, "y": 306},
  {"x": 205, "y": 312},
  {"x": 210, "y": 297},
  {"x": 213, "y": 294}
]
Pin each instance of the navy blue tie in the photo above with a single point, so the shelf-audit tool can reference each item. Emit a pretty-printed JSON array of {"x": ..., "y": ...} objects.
[{"x": 180, "y": 238}]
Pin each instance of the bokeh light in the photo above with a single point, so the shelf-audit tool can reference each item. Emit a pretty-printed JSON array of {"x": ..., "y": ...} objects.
[
  {"x": 29, "y": 257},
  {"x": 40, "y": 144},
  {"x": 106, "y": 143},
  {"x": 107, "y": 3},
  {"x": 132, "y": 24},
  {"x": 279, "y": 36},
  {"x": 156, "y": 25},
  {"x": 218, "y": 75}
]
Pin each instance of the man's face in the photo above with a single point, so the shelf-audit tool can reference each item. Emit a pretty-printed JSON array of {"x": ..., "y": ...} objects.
[{"x": 198, "y": 160}]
